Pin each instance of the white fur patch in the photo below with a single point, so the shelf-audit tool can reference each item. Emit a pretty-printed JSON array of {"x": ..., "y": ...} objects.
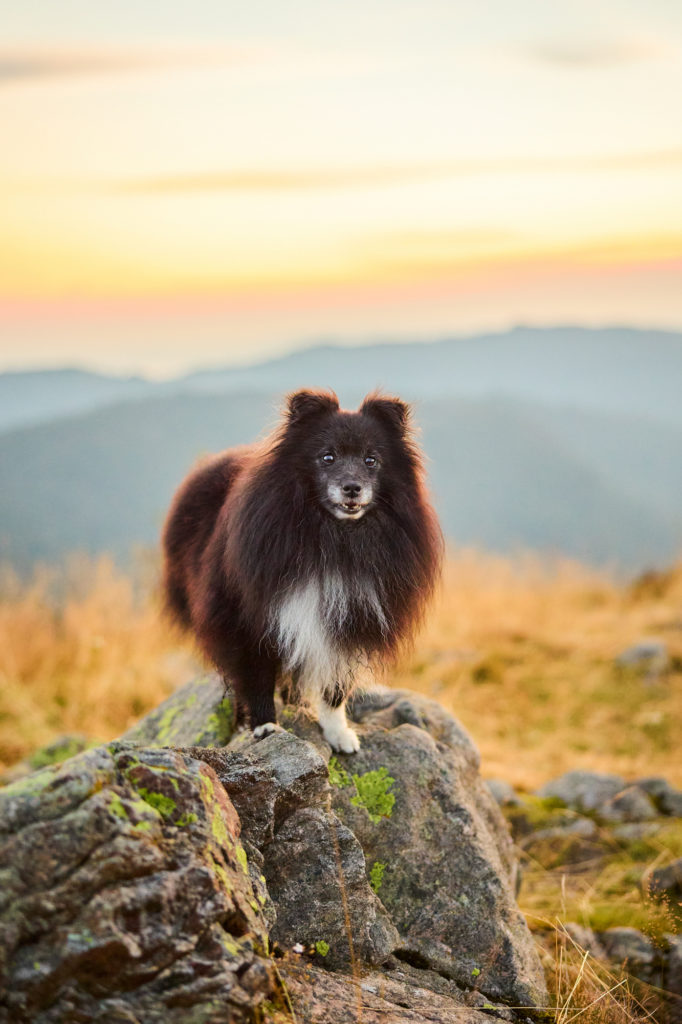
[
  {"x": 266, "y": 729},
  {"x": 336, "y": 730},
  {"x": 304, "y": 624}
]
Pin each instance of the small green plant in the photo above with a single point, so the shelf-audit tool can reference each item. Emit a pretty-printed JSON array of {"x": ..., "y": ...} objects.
[
  {"x": 376, "y": 875},
  {"x": 338, "y": 776},
  {"x": 373, "y": 793},
  {"x": 322, "y": 947},
  {"x": 476, "y": 971}
]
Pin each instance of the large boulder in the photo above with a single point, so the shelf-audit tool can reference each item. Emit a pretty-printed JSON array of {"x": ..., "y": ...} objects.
[
  {"x": 144, "y": 883},
  {"x": 124, "y": 894}
]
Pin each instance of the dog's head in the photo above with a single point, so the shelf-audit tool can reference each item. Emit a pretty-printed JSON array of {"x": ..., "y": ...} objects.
[{"x": 348, "y": 457}]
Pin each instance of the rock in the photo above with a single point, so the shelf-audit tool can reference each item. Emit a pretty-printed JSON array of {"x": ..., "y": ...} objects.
[
  {"x": 502, "y": 793},
  {"x": 125, "y": 894},
  {"x": 317, "y": 880},
  {"x": 585, "y": 939},
  {"x": 437, "y": 846},
  {"x": 199, "y": 714},
  {"x": 280, "y": 788},
  {"x": 629, "y": 947},
  {"x": 128, "y": 893},
  {"x": 631, "y": 804},
  {"x": 403, "y": 996},
  {"x": 53, "y": 753},
  {"x": 575, "y": 842},
  {"x": 667, "y": 799},
  {"x": 665, "y": 883},
  {"x": 268, "y": 779},
  {"x": 648, "y": 656},
  {"x": 583, "y": 791},
  {"x": 584, "y": 828},
  {"x": 673, "y": 973},
  {"x": 635, "y": 830}
]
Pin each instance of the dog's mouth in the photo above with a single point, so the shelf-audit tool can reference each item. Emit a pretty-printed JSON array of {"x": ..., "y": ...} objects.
[{"x": 352, "y": 509}]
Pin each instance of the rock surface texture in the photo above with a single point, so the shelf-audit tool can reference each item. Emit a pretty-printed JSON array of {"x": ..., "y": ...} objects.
[{"x": 152, "y": 879}]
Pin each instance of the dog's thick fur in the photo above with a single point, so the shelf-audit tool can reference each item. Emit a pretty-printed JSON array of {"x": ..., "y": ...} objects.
[{"x": 312, "y": 554}]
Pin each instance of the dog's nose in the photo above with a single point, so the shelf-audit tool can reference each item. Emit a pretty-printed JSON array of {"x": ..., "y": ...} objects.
[{"x": 352, "y": 489}]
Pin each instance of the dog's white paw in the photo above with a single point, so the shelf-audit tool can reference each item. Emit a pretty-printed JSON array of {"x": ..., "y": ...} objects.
[
  {"x": 266, "y": 729},
  {"x": 342, "y": 738}
]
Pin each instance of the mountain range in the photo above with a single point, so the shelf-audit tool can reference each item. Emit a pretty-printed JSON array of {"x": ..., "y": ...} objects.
[{"x": 562, "y": 440}]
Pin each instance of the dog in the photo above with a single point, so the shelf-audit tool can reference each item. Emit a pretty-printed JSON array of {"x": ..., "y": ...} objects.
[{"x": 311, "y": 555}]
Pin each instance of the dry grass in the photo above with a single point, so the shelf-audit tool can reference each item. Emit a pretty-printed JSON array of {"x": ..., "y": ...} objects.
[
  {"x": 522, "y": 652},
  {"x": 82, "y": 650},
  {"x": 585, "y": 988}
]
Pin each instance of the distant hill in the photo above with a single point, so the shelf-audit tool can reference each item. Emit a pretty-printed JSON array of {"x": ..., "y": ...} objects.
[
  {"x": 506, "y": 475},
  {"x": 614, "y": 370},
  {"x": 42, "y": 395}
]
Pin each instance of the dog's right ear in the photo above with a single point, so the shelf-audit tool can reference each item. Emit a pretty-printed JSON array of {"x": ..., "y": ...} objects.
[{"x": 303, "y": 404}]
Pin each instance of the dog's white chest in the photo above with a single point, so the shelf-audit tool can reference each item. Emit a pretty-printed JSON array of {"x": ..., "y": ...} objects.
[{"x": 307, "y": 621}]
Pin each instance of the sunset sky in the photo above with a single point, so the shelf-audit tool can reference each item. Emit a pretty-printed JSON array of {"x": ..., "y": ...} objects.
[{"x": 186, "y": 184}]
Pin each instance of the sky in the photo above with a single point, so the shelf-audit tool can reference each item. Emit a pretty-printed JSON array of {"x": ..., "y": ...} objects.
[{"x": 188, "y": 184}]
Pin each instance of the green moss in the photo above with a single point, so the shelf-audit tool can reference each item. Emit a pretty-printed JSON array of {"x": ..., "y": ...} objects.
[
  {"x": 219, "y": 829},
  {"x": 55, "y": 753},
  {"x": 142, "y": 826},
  {"x": 186, "y": 819},
  {"x": 373, "y": 793},
  {"x": 165, "y": 729},
  {"x": 322, "y": 947},
  {"x": 376, "y": 875},
  {"x": 241, "y": 857},
  {"x": 222, "y": 721},
  {"x": 163, "y": 804},
  {"x": 338, "y": 776},
  {"x": 116, "y": 806},
  {"x": 475, "y": 973}
]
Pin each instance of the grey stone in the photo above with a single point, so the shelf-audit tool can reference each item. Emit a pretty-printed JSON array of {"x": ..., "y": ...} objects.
[
  {"x": 125, "y": 892},
  {"x": 316, "y": 877},
  {"x": 199, "y": 714},
  {"x": 631, "y": 804},
  {"x": 405, "y": 995},
  {"x": 128, "y": 894},
  {"x": 583, "y": 791},
  {"x": 583, "y": 828},
  {"x": 585, "y": 939},
  {"x": 635, "y": 830},
  {"x": 268, "y": 779},
  {"x": 449, "y": 867},
  {"x": 666, "y": 797},
  {"x": 629, "y": 947},
  {"x": 673, "y": 972},
  {"x": 503, "y": 793},
  {"x": 650, "y": 656}
]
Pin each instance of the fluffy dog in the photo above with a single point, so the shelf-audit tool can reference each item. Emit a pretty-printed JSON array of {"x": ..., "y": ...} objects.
[{"x": 312, "y": 554}]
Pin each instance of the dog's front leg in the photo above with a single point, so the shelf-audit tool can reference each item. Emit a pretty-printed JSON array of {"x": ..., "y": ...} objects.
[{"x": 331, "y": 715}]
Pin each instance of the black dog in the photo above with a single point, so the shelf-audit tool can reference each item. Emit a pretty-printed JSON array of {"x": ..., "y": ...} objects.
[{"x": 313, "y": 554}]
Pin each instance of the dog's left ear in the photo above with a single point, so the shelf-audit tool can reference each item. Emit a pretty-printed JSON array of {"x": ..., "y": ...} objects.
[{"x": 391, "y": 411}]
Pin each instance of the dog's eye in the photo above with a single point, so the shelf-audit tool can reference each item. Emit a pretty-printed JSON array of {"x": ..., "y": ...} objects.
[
  {"x": 370, "y": 460},
  {"x": 328, "y": 458}
]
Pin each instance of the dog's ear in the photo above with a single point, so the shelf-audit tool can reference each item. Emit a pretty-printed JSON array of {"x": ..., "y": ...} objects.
[
  {"x": 303, "y": 404},
  {"x": 391, "y": 411}
]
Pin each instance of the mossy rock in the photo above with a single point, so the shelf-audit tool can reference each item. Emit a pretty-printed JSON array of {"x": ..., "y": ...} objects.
[{"x": 200, "y": 714}]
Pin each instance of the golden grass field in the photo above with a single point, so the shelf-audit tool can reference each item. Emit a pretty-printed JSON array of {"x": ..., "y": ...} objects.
[{"x": 523, "y": 652}]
